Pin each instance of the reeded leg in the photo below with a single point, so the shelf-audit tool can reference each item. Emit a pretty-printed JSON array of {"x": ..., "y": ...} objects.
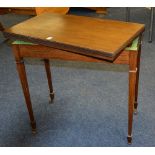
[
  {"x": 132, "y": 82},
  {"x": 24, "y": 83},
  {"x": 137, "y": 80},
  {"x": 49, "y": 78}
]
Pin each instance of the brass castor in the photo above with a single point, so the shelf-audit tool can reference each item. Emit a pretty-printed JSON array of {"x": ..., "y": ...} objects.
[
  {"x": 129, "y": 139},
  {"x": 51, "y": 97}
]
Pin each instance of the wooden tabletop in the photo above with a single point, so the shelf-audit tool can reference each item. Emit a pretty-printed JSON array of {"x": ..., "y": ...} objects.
[{"x": 100, "y": 38}]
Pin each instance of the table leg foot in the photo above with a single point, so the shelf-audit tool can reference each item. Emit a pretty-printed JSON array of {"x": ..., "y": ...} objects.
[
  {"x": 135, "y": 112},
  {"x": 135, "y": 108},
  {"x": 34, "y": 131},
  {"x": 51, "y": 97},
  {"x": 129, "y": 139},
  {"x": 33, "y": 126}
]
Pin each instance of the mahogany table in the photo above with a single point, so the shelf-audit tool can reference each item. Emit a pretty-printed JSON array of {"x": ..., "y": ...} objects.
[{"x": 77, "y": 38}]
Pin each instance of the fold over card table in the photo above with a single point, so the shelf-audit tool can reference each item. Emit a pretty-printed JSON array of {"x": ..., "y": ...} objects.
[{"x": 77, "y": 38}]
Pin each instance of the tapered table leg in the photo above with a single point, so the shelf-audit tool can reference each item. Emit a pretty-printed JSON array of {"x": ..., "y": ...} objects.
[
  {"x": 137, "y": 79},
  {"x": 24, "y": 83},
  {"x": 132, "y": 82},
  {"x": 49, "y": 78}
]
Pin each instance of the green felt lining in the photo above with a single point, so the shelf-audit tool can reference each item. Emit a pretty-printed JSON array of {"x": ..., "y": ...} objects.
[
  {"x": 133, "y": 46},
  {"x": 19, "y": 42}
]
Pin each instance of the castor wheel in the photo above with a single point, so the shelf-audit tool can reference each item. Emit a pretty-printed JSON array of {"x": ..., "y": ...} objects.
[
  {"x": 129, "y": 139},
  {"x": 51, "y": 97}
]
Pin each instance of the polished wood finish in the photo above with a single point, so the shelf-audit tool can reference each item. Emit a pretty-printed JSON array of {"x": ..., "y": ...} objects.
[
  {"x": 39, "y": 51},
  {"x": 49, "y": 78},
  {"x": 106, "y": 41},
  {"x": 126, "y": 57},
  {"x": 132, "y": 89},
  {"x": 24, "y": 83},
  {"x": 137, "y": 78},
  {"x": 77, "y": 42},
  {"x": 60, "y": 10},
  {"x": 18, "y": 10}
]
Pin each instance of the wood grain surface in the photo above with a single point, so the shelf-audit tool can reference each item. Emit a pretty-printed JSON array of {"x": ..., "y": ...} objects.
[{"x": 85, "y": 35}]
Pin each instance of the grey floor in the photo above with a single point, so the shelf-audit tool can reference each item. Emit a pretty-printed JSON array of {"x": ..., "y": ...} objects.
[{"x": 90, "y": 106}]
